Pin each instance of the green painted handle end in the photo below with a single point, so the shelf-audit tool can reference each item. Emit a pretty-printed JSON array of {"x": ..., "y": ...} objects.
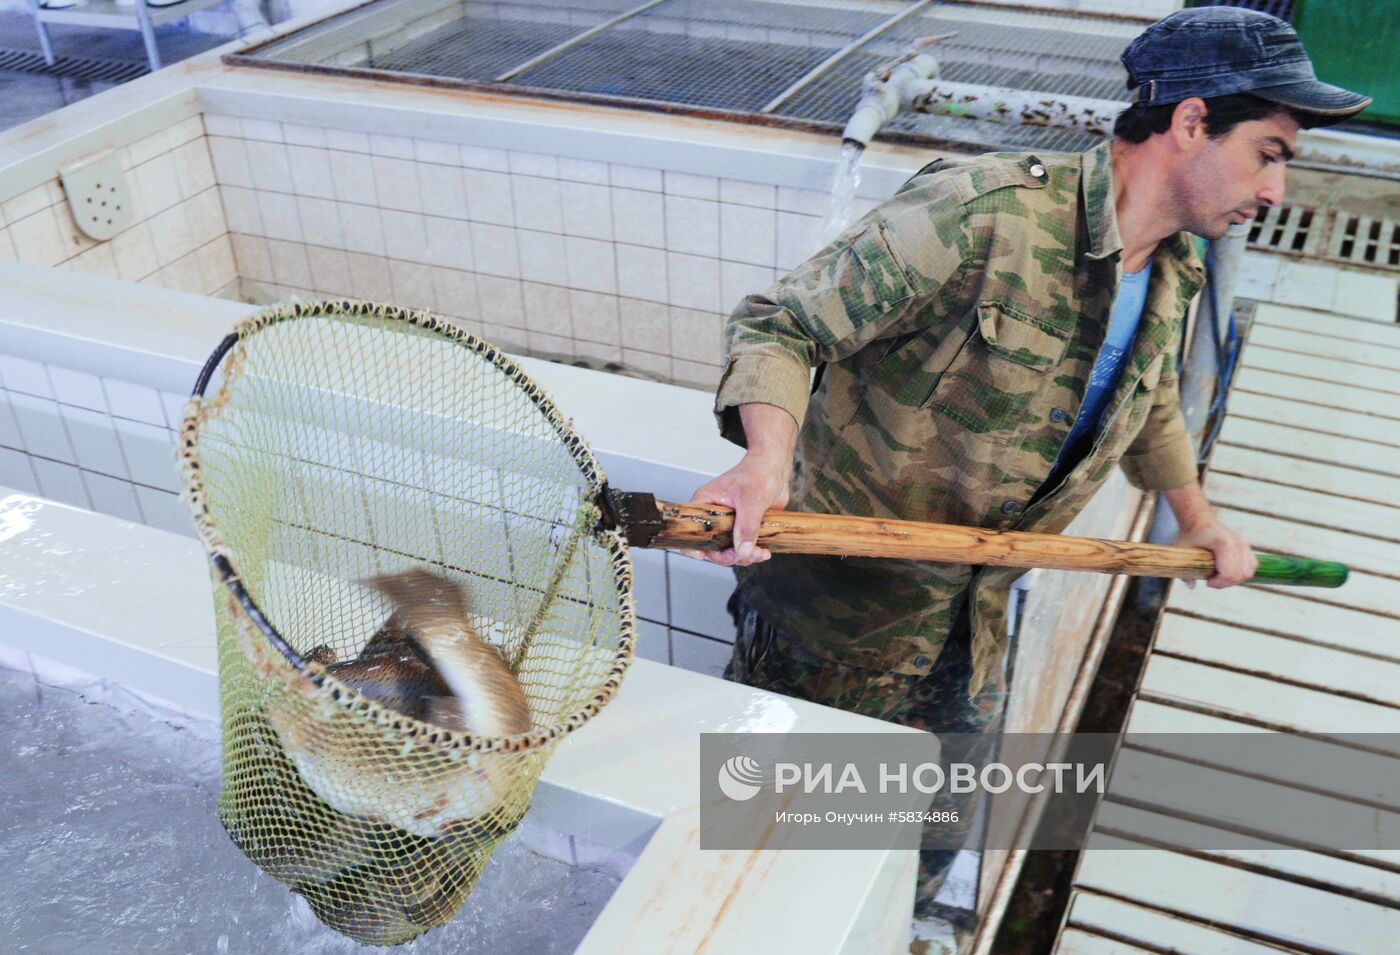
[{"x": 1299, "y": 572}]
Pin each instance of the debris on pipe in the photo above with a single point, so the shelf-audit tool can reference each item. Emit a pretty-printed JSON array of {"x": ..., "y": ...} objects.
[{"x": 1016, "y": 107}]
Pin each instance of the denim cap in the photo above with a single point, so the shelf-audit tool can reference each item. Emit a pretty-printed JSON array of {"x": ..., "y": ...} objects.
[{"x": 1216, "y": 51}]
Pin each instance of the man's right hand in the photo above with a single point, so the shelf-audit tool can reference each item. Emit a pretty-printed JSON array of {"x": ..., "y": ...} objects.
[{"x": 756, "y": 484}]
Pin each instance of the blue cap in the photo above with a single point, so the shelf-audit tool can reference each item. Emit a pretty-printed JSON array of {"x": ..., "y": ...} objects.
[{"x": 1217, "y": 51}]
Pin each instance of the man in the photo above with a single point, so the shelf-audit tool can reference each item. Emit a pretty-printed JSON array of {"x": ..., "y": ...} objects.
[{"x": 991, "y": 343}]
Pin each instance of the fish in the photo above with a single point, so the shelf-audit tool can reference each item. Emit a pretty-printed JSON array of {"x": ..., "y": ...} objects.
[{"x": 426, "y": 662}]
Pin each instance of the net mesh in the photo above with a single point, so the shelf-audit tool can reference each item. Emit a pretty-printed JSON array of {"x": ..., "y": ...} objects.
[{"x": 347, "y": 440}]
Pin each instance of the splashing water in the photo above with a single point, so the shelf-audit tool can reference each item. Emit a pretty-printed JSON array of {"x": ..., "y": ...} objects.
[{"x": 843, "y": 190}]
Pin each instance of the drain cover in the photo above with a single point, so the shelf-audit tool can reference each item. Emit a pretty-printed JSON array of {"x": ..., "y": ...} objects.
[
  {"x": 1310, "y": 232},
  {"x": 1365, "y": 241},
  {"x": 92, "y": 68},
  {"x": 1286, "y": 229}
]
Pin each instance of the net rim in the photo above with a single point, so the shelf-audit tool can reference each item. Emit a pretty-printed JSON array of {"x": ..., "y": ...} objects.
[{"x": 196, "y": 498}]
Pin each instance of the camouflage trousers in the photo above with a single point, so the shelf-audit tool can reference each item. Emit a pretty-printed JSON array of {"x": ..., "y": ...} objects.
[{"x": 937, "y": 703}]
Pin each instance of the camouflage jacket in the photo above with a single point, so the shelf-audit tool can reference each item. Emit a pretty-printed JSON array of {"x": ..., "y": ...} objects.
[{"x": 958, "y": 323}]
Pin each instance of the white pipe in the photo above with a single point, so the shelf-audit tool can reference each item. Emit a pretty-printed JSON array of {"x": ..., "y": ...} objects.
[
  {"x": 882, "y": 96},
  {"x": 999, "y": 104}
]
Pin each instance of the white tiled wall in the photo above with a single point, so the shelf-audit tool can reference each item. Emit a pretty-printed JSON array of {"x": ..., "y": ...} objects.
[
  {"x": 178, "y": 238},
  {"x": 539, "y": 253},
  {"x": 1328, "y": 288}
]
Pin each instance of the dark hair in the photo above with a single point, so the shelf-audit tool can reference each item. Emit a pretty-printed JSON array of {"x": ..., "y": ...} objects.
[{"x": 1223, "y": 113}]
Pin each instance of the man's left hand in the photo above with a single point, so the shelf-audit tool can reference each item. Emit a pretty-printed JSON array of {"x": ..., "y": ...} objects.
[{"x": 1234, "y": 558}]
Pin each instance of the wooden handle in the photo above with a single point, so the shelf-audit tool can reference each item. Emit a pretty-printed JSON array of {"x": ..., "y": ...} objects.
[{"x": 711, "y": 527}]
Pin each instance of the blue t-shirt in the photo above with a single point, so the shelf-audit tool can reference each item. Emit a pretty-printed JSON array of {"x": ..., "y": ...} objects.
[{"x": 1108, "y": 369}]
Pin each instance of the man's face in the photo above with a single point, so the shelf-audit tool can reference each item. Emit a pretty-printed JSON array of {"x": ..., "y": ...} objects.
[{"x": 1227, "y": 181}]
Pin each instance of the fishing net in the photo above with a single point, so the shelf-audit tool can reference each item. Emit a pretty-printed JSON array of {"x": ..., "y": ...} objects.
[{"x": 344, "y": 441}]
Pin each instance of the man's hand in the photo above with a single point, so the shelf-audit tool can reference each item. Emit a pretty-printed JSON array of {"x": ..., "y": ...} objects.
[
  {"x": 756, "y": 484},
  {"x": 1234, "y": 558}
]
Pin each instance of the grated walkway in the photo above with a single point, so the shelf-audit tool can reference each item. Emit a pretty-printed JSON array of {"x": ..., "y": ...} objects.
[{"x": 1308, "y": 463}]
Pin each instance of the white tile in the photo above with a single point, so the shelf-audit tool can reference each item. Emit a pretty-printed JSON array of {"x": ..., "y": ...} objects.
[
  {"x": 94, "y": 441},
  {"x": 347, "y": 140},
  {"x": 700, "y": 654},
  {"x": 697, "y": 336},
  {"x": 547, "y": 309},
  {"x": 748, "y": 193},
  {"x": 538, "y": 203},
  {"x": 696, "y": 187},
  {"x": 583, "y": 170},
  {"x": 433, "y": 151},
  {"x": 263, "y": 129},
  {"x": 455, "y": 292},
  {"x": 396, "y": 182},
  {"x": 550, "y": 346},
  {"x": 23, "y": 375},
  {"x": 39, "y": 238},
  {"x": 150, "y": 454},
  {"x": 205, "y": 216},
  {"x": 542, "y": 257},
  {"x": 230, "y": 158},
  {"x": 591, "y": 264},
  {"x": 694, "y": 374},
  {"x": 268, "y": 166},
  {"x": 494, "y": 250},
  {"x": 482, "y": 157},
  {"x": 16, "y": 472},
  {"x": 653, "y": 642},
  {"x": 799, "y": 237},
  {"x": 405, "y": 236},
  {"x": 28, "y": 202},
  {"x": 164, "y": 511},
  {"x": 295, "y": 134},
  {"x": 134, "y": 402},
  {"x": 748, "y": 234},
  {"x": 442, "y": 190},
  {"x": 10, "y": 435},
  {"x": 692, "y": 226},
  {"x": 646, "y": 326},
  {"x": 737, "y": 281},
  {"x": 279, "y": 217},
  {"x": 353, "y": 177},
  {"x": 641, "y": 272},
  {"x": 112, "y": 497},
  {"x": 174, "y": 407},
  {"x": 488, "y": 197},
  {"x": 181, "y": 275},
  {"x": 311, "y": 171},
  {"x": 698, "y": 591},
  {"x": 60, "y": 482},
  {"x": 135, "y": 252},
  {"x": 149, "y": 147},
  {"x": 216, "y": 268},
  {"x": 241, "y": 210},
  {"x": 193, "y": 167},
  {"x": 651, "y": 366},
  {"x": 639, "y": 218},
  {"x": 171, "y": 231},
  {"x": 1257, "y": 275},
  {"x": 806, "y": 201},
  {"x": 502, "y": 303},
  {"x": 649, "y": 584},
  {"x": 392, "y": 147},
  {"x": 330, "y": 270},
  {"x": 369, "y": 277},
  {"x": 1367, "y": 296},
  {"x": 1304, "y": 285},
  {"x": 534, "y": 164},
  {"x": 587, "y": 210},
  {"x": 413, "y": 284},
  {"x": 250, "y": 255},
  {"x": 362, "y": 228},
  {"x": 290, "y": 265},
  {"x": 594, "y": 316},
  {"x": 635, "y": 177},
  {"x": 600, "y": 352},
  {"x": 40, "y": 427},
  {"x": 217, "y": 124},
  {"x": 449, "y": 242},
  {"x": 693, "y": 281},
  {"x": 320, "y": 222}
]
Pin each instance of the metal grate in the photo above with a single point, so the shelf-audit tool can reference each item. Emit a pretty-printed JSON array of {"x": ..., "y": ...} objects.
[
  {"x": 91, "y": 68},
  {"x": 1285, "y": 228},
  {"x": 728, "y": 57},
  {"x": 1362, "y": 240}
]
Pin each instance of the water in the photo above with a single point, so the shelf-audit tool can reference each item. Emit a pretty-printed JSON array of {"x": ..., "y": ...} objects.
[
  {"x": 110, "y": 843},
  {"x": 843, "y": 190}
]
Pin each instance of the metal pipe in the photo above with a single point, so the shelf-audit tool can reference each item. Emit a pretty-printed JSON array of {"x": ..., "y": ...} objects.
[
  {"x": 1001, "y": 104},
  {"x": 825, "y": 66},
  {"x": 882, "y": 95},
  {"x": 572, "y": 42}
]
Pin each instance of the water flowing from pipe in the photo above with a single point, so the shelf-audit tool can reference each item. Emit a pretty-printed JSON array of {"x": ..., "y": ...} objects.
[{"x": 843, "y": 190}]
